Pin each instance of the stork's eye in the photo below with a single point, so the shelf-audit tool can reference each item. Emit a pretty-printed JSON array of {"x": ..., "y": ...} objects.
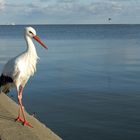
[{"x": 30, "y": 32}]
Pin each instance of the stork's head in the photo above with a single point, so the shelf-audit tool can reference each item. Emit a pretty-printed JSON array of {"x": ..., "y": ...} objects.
[{"x": 30, "y": 32}]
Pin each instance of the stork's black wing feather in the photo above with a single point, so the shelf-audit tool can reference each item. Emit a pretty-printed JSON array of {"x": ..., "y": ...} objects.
[{"x": 5, "y": 80}]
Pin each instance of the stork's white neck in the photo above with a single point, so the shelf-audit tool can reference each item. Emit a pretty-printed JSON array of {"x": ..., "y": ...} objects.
[
  {"x": 31, "y": 55},
  {"x": 31, "y": 50},
  {"x": 30, "y": 45}
]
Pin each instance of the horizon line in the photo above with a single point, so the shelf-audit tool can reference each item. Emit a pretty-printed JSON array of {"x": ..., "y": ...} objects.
[{"x": 72, "y": 24}]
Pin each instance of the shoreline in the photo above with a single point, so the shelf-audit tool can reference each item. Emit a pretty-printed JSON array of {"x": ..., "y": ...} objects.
[{"x": 9, "y": 129}]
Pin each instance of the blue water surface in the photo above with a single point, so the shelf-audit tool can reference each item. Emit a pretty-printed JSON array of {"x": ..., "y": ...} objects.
[{"x": 87, "y": 82}]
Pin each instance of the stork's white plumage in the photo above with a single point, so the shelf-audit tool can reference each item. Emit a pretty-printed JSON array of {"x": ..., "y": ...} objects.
[{"x": 18, "y": 70}]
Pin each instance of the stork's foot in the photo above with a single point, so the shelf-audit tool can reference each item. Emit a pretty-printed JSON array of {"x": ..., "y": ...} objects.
[
  {"x": 25, "y": 123},
  {"x": 19, "y": 119}
]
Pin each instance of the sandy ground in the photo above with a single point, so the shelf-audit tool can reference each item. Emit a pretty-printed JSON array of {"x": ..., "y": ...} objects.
[{"x": 11, "y": 130}]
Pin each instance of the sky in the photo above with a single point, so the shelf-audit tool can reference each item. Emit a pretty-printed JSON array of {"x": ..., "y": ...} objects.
[{"x": 70, "y": 11}]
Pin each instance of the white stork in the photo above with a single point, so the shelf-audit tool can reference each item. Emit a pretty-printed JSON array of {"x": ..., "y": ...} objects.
[{"x": 18, "y": 70}]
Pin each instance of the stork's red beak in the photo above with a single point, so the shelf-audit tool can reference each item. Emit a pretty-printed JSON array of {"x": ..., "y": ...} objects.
[{"x": 39, "y": 41}]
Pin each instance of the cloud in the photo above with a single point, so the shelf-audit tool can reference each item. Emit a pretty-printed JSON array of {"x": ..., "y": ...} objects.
[
  {"x": 64, "y": 7},
  {"x": 2, "y": 5},
  {"x": 118, "y": 0},
  {"x": 65, "y": 1},
  {"x": 67, "y": 11}
]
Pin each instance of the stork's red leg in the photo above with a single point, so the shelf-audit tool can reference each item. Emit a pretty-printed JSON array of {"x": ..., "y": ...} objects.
[
  {"x": 19, "y": 118},
  {"x": 21, "y": 109}
]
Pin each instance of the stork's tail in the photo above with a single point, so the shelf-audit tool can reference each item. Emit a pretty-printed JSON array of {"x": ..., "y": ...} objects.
[{"x": 4, "y": 81}]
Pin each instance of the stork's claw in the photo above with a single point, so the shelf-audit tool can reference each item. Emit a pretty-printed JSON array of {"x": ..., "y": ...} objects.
[
  {"x": 25, "y": 123},
  {"x": 19, "y": 119}
]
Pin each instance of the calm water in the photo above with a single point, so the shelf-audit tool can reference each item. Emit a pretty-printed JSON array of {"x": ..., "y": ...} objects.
[{"x": 87, "y": 85}]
